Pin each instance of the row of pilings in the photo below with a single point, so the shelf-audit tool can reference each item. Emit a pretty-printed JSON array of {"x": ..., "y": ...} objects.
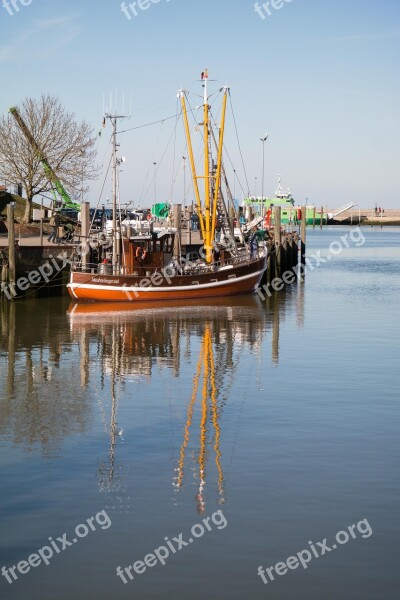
[{"x": 286, "y": 248}]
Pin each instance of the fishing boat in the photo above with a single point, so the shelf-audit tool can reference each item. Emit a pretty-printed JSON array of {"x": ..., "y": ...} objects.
[{"x": 146, "y": 264}]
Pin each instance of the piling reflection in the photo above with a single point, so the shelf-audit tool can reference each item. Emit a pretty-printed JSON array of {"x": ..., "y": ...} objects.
[{"x": 40, "y": 402}]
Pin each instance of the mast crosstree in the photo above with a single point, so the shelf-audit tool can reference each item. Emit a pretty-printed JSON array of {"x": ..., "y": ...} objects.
[{"x": 207, "y": 210}]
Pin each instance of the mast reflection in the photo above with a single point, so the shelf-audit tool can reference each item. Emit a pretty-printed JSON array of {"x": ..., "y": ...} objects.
[
  {"x": 56, "y": 374},
  {"x": 209, "y": 406},
  {"x": 132, "y": 341}
]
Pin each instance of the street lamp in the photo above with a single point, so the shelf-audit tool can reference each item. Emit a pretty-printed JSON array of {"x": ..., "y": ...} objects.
[
  {"x": 83, "y": 154},
  {"x": 263, "y": 140}
]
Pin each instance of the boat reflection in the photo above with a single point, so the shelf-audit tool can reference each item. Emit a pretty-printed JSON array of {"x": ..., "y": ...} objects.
[
  {"x": 59, "y": 373},
  {"x": 131, "y": 341}
]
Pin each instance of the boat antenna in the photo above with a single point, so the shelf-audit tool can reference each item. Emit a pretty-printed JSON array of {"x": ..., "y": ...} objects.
[{"x": 113, "y": 118}]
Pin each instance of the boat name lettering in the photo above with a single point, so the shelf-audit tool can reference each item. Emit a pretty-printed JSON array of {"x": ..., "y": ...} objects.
[{"x": 102, "y": 280}]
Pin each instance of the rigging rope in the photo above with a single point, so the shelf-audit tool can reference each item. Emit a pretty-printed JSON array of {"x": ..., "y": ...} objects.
[
  {"x": 237, "y": 137},
  {"x": 174, "y": 156},
  {"x": 148, "y": 124}
]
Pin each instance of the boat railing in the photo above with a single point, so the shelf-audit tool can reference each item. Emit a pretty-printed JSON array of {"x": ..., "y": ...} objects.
[{"x": 175, "y": 267}]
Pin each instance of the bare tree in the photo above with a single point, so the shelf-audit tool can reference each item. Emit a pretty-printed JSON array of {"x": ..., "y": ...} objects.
[{"x": 68, "y": 146}]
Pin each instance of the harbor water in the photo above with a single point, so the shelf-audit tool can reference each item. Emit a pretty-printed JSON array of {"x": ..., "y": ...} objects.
[{"x": 259, "y": 428}]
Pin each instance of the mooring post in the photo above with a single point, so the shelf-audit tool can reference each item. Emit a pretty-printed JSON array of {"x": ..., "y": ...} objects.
[
  {"x": 284, "y": 253},
  {"x": 277, "y": 239},
  {"x": 295, "y": 249},
  {"x": 313, "y": 218},
  {"x": 322, "y": 217},
  {"x": 11, "y": 243},
  {"x": 303, "y": 230},
  {"x": 177, "y": 220},
  {"x": 289, "y": 255}
]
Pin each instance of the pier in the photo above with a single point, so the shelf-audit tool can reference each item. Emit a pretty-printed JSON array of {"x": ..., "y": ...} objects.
[{"x": 31, "y": 265}]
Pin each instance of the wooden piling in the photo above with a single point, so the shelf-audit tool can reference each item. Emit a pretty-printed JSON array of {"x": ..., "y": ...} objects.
[
  {"x": 322, "y": 217},
  {"x": 270, "y": 273},
  {"x": 314, "y": 215},
  {"x": 289, "y": 254},
  {"x": 284, "y": 255},
  {"x": 11, "y": 243},
  {"x": 177, "y": 220},
  {"x": 277, "y": 239},
  {"x": 303, "y": 235},
  {"x": 295, "y": 249}
]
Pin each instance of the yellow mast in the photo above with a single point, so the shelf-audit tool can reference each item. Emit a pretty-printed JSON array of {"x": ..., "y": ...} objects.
[
  {"x": 219, "y": 164},
  {"x": 208, "y": 219},
  {"x": 181, "y": 94},
  {"x": 207, "y": 200}
]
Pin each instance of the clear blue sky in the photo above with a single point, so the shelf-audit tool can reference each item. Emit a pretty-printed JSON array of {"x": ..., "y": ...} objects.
[{"x": 321, "y": 78}]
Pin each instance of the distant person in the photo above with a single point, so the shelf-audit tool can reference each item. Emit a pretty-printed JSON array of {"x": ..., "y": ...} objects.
[
  {"x": 195, "y": 221},
  {"x": 54, "y": 224},
  {"x": 253, "y": 247},
  {"x": 218, "y": 231}
]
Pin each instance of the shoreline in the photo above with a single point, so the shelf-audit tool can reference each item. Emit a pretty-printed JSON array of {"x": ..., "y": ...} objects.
[{"x": 390, "y": 217}]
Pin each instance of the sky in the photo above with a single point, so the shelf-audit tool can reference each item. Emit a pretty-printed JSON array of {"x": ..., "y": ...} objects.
[{"x": 320, "y": 78}]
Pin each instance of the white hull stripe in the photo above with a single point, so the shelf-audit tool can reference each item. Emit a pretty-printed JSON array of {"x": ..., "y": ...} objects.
[{"x": 155, "y": 289}]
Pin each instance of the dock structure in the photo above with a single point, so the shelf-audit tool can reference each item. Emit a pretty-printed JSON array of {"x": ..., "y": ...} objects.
[
  {"x": 32, "y": 266},
  {"x": 284, "y": 248}
]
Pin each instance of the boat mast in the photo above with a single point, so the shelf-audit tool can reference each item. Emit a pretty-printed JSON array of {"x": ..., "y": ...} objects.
[
  {"x": 181, "y": 95},
  {"x": 208, "y": 219},
  {"x": 207, "y": 203},
  {"x": 219, "y": 163},
  {"x": 115, "y": 253},
  {"x": 115, "y": 163}
]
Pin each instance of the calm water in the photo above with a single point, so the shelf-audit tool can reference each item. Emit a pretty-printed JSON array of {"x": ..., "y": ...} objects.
[{"x": 282, "y": 414}]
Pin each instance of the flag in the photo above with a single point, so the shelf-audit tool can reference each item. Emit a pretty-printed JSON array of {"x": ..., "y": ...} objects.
[{"x": 204, "y": 74}]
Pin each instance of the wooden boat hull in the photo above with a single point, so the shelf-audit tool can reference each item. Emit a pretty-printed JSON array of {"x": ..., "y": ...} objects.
[{"x": 239, "y": 279}]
